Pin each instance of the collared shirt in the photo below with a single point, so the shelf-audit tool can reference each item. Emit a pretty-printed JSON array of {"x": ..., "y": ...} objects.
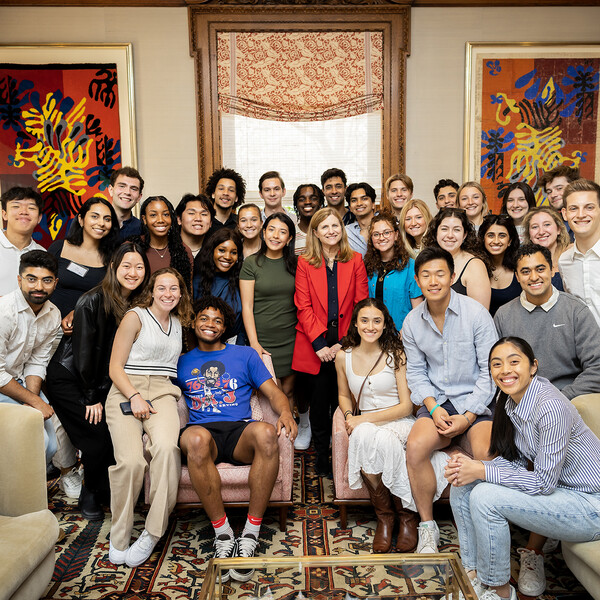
[
  {"x": 25, "y": 338},
  {"x": 451, "y": 365},
  {"x": 549, "y": 432},
  {"x": 332, "y": 310},
  {"x": 581, "y": 275},
  {"x": 129, "y": 227},
  {"x": 231, "y": 222},
  {"x": 291, "y": 215},
  {"x": 10, "y": 256},
  {"x": 529, "y": 307},
  {"x": 357, "y": 242}
]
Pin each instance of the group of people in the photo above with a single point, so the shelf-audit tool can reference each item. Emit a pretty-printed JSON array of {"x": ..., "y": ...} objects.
[{"x": 423, "y": 329}]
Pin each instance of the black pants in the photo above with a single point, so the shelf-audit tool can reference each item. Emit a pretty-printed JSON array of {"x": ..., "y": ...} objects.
[
  {"x": 323, "y": 396},
  {"x": 94, "y": 441}
]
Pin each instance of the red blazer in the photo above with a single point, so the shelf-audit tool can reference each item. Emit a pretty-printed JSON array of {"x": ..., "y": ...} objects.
[{"x": 311, "y": 300}]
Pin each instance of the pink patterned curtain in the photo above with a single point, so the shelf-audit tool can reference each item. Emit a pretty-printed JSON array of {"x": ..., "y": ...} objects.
[{"x": 308, "y": 76}]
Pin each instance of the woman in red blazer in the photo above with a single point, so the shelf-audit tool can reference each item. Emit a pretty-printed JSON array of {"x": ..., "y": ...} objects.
[{"x": 330, "y": 280}]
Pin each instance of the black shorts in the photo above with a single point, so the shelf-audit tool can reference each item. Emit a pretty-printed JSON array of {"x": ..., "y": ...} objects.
[
  {"x": 449, "y": 407},
  {"x": 226, "y": 435}
]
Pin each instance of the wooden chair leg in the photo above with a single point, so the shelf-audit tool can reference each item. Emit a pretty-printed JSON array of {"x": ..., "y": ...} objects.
[
  {"x": 343, "y": 516},
  {"x": 283, "y": 512}
]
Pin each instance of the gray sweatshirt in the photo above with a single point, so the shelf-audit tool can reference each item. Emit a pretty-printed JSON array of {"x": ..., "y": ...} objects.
[{"x": 565, "y": 341}]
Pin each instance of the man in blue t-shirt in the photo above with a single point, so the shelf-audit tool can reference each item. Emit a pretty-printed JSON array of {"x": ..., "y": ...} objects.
[{"x": 217, "y": 381}]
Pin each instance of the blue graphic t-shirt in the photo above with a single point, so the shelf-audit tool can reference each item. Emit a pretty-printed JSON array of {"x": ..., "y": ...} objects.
[{"x": 217, "y": 385}]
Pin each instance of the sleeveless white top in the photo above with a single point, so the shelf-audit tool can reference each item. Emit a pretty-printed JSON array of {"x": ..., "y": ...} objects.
[
  {"x": 380, "y": 390},
  {"x": 155, "y": 351}
]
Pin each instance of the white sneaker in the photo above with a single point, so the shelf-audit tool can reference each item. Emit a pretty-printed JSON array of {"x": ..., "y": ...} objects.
[
  {"x": 302, "y": 441},
  {"x": 70, "y": 483},
  {"x": 116, "y": 557},
  {"x": 490, "y": 594},
  {"x": 244, "y": 548},
  {"x": 224, "y": 548},
  {"x": 141, "y": 549},
  {"x": 532, "y": 579},
  {"x": 550, "y": 545},
  {"x": 429, "y": 538},
  {"x": 478, "y": 588}
]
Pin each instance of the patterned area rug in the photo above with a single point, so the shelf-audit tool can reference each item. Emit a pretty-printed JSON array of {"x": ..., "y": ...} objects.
[{"x": 176, "y": 568}]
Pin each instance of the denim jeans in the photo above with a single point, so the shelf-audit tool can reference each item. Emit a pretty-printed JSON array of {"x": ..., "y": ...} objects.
[
  {"x": 482, "y": 512},
  {"x": 50, "y": 443}
]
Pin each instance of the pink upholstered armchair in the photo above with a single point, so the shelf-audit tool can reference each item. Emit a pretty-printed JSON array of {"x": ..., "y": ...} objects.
[
  {"x": 234, "y": 479},
  {"x": 344, "y": 495}
]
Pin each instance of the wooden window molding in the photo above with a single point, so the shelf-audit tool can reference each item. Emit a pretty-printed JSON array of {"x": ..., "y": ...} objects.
[{"x": 388, "y": 17}]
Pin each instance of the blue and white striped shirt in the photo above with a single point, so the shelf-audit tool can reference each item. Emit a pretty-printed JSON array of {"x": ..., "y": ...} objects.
[{"x": 549, "y": 432}]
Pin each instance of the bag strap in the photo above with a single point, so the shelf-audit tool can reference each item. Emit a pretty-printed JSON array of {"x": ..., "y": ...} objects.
[{"x": 357, "y": 403}]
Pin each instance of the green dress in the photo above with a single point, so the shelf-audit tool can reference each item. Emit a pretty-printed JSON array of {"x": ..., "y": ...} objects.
[{"x": 274, "y": 309}]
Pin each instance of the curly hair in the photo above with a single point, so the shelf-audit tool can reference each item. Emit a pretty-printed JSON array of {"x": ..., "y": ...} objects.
[
  {"x": 180, "y": 259},
  {"x": 509, "y": 257},
  {"x": 204, "y": 265},
  {"x": 569, "y": 173},
  {"x": 470, "y": 243},
  {"x": 240, "y": 184},
  {"x": 220, "y": 305},
  {"x": 373, "y": 261},
  {"x": 390, "y": 341},
  {"x": 290, "y": 260},
  {"x": 408, "y": 240},
  {"x": 316, "y": 191},
  {"x": 109, "y": 242},
  {"x": 183, "y": 310}
]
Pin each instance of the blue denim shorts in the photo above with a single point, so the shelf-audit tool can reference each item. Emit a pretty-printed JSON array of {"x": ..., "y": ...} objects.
[{"x": 449, "y": 407}]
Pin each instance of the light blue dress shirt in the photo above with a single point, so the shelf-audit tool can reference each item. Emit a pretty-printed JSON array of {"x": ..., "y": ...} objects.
[
  {"x": 357, "y": 242},
  {"x": 451, "y": 365}
]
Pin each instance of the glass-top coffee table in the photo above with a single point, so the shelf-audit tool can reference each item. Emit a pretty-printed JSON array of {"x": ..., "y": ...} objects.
[{"x": 341, "y": 577}]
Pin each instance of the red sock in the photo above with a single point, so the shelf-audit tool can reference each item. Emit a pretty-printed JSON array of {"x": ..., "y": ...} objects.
[
  {"x": 252, "y": 526},
  {"x": 222, "y": 527}
]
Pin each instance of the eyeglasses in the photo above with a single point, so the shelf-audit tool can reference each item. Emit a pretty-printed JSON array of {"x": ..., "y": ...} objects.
[
  {"x": 32, "y": 280},
  {"x": 383, "y": 234}
]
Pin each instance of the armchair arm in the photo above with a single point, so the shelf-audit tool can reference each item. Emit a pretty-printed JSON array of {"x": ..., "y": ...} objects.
[
  {"x": 587, "y": 405},
  {"x": 22, "y": 461}
]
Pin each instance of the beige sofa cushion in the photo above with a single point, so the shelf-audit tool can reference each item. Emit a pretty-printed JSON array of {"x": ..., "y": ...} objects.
[{"x": 34, "y": 535}]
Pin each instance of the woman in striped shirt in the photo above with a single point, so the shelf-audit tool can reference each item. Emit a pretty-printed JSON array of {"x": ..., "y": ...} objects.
[{"x": 560, "y": 497}]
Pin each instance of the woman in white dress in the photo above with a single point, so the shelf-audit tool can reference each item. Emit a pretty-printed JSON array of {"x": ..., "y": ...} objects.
[{"x": 371, "y": 369}]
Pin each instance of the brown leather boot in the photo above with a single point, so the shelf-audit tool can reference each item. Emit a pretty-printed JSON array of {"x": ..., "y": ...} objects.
[
  {"x": 408, "y": 531},
  {"x": 381, "y": 500}
]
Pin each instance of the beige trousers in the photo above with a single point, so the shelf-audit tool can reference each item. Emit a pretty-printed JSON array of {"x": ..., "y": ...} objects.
[{"x": 127, "y": 476}]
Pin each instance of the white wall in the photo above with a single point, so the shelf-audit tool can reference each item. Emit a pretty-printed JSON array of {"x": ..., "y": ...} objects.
[
  {"x": 436, "y": 74},
  {"x": 163, "y": 79},
  {"x": 165, "y": 85}
]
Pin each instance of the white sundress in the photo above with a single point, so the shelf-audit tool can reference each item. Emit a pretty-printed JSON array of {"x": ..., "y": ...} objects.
[{"x": 376, "y": 448}]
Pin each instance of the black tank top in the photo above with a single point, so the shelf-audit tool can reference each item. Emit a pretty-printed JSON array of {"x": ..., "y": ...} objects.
[{"x": 458, "y": 286}]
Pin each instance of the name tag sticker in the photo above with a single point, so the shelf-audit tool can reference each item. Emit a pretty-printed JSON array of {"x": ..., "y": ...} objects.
[{"x": 77, "y": 269}]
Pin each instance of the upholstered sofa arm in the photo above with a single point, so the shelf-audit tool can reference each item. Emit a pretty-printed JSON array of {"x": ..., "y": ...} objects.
[
  {"x": 588, "y": 406},
  {"x": 22, "y": 461}
]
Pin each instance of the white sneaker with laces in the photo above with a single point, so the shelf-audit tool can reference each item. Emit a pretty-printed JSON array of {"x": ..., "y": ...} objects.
[
  {"x": 490, "y": 594},
  {"x": 478, "y": 588},
  {"x": 302, "y": 441},
  {"x": 224, "y": 548},
  {"x": 532, "y": 579},
  {"x": 70, "y": 483},
  {"x": 244, "y": 548},
  {"x": 429, "y": 538},
  {"x": 116, "y": 557},
  {"x": 141, "y": 549}
]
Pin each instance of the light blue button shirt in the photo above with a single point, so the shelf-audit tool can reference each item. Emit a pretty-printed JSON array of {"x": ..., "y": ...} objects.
[
  {"x": 357, "y": 242},
  {"x": 452, "y": 365}
]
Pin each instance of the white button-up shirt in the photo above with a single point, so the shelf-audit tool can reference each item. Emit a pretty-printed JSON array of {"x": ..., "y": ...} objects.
[
  {"x": 10, "y": 256},
  {"x": 25, "y": 338},
  {"x": 581, "y": 275}
]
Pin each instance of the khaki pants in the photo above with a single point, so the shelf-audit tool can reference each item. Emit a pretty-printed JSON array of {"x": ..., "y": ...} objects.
[{"x": 127, "y": 476}]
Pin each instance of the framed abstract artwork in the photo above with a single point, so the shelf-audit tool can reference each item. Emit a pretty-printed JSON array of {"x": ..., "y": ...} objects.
[
  {"x": 529, "y": 108},
  {"x": 67, "y": 120}
]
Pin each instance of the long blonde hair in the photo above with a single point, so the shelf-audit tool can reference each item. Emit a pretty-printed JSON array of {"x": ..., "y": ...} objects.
[
  {"x": 408, "y": 240},
  {"x": 313, "y": 252},
  {"x": 485, "y": 209}
]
